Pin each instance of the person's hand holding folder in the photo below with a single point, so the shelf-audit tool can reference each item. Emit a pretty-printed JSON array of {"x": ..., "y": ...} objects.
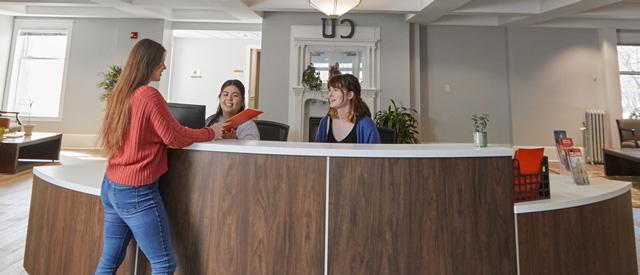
[{"x": 218, "y": 129}]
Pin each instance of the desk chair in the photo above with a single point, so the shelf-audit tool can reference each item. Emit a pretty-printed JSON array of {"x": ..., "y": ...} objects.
[
  {"x": 271, "y": 130},
  {"x": 387, "y": 135}
]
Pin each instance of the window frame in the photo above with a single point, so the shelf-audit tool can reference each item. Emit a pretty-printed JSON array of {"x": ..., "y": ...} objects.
[{"x": 31, "y": 24}]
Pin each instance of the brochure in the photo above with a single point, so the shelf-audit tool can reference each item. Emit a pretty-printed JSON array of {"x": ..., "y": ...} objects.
[
  {"x": 578, "y": 166},
  {"x": 558, "y": 135}
]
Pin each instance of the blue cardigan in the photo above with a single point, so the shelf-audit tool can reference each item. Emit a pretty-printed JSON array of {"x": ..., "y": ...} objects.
[{"x": 366, "y": 130}]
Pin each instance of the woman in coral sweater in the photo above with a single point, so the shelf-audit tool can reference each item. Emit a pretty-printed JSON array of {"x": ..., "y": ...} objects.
[{"x": 136, "y": 131}]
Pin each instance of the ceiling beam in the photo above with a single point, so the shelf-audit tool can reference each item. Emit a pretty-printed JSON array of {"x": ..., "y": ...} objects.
[
  {"x": 555, "y": 9},
  {"x": 13, "y": 10},
  {"x": 239, "y": 10},
  {"x": 137, "y": 11},
  {"x": 435, "y": 9}
]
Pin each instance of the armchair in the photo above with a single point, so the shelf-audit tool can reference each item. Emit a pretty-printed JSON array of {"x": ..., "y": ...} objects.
[{"x": 629, "y": 131}]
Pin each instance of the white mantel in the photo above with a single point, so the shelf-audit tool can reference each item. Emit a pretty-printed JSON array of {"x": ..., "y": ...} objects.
[{"x": 306, "y": 37}]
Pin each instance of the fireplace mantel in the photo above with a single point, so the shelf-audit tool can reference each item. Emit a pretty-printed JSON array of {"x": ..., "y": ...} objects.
[{"x": 304, "y": 39}]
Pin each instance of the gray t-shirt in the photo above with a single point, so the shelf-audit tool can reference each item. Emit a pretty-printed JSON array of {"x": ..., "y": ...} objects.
[{"x": 246, "y": 131}]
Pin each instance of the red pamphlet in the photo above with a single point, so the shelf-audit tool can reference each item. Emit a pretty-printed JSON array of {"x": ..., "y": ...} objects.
[{"x": 241, "y": 117}]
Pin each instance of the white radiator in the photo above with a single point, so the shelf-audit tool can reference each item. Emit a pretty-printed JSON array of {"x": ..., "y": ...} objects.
[{"x": 594, "y": 136}]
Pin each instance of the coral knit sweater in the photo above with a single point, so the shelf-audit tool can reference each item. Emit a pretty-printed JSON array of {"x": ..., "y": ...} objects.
[{"x": 143, "y": 158}]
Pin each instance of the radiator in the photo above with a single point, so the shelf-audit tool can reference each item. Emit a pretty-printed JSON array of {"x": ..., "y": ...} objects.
[{"x": 594, "y": 136}]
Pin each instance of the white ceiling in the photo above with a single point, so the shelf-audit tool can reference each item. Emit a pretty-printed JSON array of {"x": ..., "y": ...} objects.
[
  {"x": 216, "y": 34},
  {"x": 570, "y": 13}
]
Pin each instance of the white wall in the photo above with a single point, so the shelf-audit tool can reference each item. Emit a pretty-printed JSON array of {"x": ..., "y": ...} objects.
[
  {"x": 6, "y": 29},
  {"x": 274, "y": 78},
  {"x": 555, "y": 75},
  {"x": 530, "y": 81},
  {"x": 472, "y": 62},
  {"x": 217, "y": 59},
  {"x": 95, "y": 44}
]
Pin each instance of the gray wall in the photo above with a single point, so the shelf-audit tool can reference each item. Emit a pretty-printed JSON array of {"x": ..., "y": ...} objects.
[
  {"x": 274, "y": 78},
  {"x": 6, "y": 29},
  {"x": 95, "y": 44},
  {"x": 472, "y": 61},
  {"x": 554, "y": 77},
  {"x": 530, "y": 81},
  {"x": 216, "y": 59}
]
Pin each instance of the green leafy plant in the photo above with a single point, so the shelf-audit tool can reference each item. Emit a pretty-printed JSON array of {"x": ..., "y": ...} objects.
[
  {"x": 402, "y": 120},
  {"x": 109, "y": 81},
  {"x": 480, "y": 122},
  {"x": 635, "y": 114},
  {"x": 311, "y": 78}
]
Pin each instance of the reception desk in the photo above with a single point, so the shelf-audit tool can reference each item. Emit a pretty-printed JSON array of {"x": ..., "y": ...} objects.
[{"x": 257, "y": 207}]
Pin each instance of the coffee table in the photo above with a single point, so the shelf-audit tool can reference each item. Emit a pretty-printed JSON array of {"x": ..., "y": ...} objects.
[
  {"x": 622, "y": 162},
  {"x": 17, "y": 154}
]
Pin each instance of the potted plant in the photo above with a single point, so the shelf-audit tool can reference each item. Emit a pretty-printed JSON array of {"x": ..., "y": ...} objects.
[
  {"x": 28, "y": 127},
  {"x": 480, "y": 129},
  {"x": 400, "y": 119},
  {"x": 311, "y": 78},
  {"x": 109, "y": 81}
]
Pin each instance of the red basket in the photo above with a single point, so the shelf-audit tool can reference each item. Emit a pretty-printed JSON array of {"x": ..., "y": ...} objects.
[{"x": 527, "y": 187}]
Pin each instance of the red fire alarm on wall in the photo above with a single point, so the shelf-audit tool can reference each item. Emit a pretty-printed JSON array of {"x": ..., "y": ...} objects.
[{"x": 134, "y": 35}]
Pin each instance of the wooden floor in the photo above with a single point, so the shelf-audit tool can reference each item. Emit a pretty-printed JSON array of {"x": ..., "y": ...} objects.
[{"x": 15, "y": 196}]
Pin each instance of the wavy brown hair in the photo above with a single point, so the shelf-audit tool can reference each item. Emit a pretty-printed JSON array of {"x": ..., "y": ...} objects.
[
  {"x": 143, "y": 59},
  {"x": 357, "y": 107}
]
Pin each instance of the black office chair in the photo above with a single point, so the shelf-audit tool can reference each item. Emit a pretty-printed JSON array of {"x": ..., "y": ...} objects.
[
  {"x": 271, "y": 130},
  {"x": 387, "y": 135}
]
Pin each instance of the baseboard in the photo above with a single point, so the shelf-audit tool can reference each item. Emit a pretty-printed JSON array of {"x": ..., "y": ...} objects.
[{"x": 75, "y": 141}]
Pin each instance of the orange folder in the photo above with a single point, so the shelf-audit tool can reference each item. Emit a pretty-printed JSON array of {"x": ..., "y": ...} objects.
[{"x": 240, "y": 118}]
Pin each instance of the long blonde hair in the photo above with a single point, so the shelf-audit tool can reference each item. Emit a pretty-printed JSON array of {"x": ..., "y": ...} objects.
[{"x": 143, "y": 59}]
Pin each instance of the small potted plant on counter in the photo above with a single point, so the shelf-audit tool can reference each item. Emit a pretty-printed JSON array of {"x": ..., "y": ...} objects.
[{"x": 480, "y": 129}]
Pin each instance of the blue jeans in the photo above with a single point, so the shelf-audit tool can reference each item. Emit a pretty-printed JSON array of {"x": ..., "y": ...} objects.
[{"x": 138, "y": 211}]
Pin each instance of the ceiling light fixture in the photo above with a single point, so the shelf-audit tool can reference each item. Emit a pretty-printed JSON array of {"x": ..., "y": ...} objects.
[{"x": 334, "y": 8}]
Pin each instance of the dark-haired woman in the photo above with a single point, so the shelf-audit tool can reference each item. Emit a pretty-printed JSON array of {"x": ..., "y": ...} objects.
[
  {"x": 136, "y": 130},
  {"x": 349, "y": 119},
  {"x": 231, "y": 102}
]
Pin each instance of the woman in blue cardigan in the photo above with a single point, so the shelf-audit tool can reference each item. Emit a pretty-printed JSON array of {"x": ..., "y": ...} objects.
[{"x": 349, "y": 119}]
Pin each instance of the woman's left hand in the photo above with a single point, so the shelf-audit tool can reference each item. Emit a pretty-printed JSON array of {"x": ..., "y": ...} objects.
[{"x": 231, "y": 134}]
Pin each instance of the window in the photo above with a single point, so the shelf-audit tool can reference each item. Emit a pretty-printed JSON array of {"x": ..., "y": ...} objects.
[
  {"x": 38, "y": 58},
  {"x": 629, "y": 64}
]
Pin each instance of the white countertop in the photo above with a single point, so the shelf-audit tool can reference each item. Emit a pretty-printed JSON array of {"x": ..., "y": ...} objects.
[
  {"x": 427, "y": 150},
  {"x": 84, "y": 178},
  {"x": 565, "y": 194}
]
